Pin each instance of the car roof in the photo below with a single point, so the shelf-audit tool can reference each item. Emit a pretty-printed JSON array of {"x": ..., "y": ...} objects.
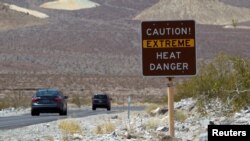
[
  {"x": 100, "y": 94},
  {"x": 47, "y": 89}
]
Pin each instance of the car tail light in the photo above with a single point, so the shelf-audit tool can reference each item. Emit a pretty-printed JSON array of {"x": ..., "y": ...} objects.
[
  {"x": 58, "y": 99},
  {"x": 35, "y": 99}
]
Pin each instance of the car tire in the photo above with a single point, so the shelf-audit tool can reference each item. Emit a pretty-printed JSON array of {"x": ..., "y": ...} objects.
[
  {"x": 93, "y": 108},
  {"x": 108, "y": 108},
  {"x": 63, "y": 113},
  {"x": 35, "y": 113}
]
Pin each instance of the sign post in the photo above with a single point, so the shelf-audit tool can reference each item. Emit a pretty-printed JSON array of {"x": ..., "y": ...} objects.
[
  {"x": 168, "y": 49},
  {"x": 170, "y": 92},
  {"x": 129, "y": 108}
]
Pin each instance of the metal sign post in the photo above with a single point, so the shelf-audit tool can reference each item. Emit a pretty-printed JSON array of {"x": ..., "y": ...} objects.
[
  {"x": 170, "y": 92},
  {"x": 129, "y": 101}
]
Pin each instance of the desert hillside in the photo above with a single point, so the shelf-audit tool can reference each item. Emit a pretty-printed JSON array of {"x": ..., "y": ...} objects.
[
  {"x": 105, "y": 40},
  {"x": 202, "y": 11},
  {"x": 11, "y": 18}
]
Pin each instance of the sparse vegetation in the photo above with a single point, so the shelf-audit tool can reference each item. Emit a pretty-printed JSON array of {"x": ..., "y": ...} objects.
[
  {"x": 15, "y": 99},
  {"x": 3, "y": 104},
  {"x": 76, "y": 99},
  {"x": 105, "y": 128},
  {"x": 151, "y": 124},
  {"x": 234, "y": 23},
  {"x": 224, "y": 80},
  {"x": 80, "y": 99},
  {"x": 69, "y": 127},
  {"x": 180, "y": 116},
  {"x": 49, "y": 138},
  {"x": 4, "y": 7}
]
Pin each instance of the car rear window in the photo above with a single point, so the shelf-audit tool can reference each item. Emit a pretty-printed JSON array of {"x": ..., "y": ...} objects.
[
  {"x": 100, "y": 97},
  {"x": 47, "y": 93}
]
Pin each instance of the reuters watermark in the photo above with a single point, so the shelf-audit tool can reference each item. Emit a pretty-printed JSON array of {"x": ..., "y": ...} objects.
[{"x": 239, "y": 132}]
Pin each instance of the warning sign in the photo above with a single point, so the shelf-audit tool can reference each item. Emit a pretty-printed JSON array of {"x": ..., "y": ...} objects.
[{"x": 168, "y": 48}]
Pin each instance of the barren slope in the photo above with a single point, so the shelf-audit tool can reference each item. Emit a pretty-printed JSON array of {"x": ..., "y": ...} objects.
[
  {"x": 10, "y": 19},
  {"x": 203, "y": 11},
  {"x": 104, "y": 40}
]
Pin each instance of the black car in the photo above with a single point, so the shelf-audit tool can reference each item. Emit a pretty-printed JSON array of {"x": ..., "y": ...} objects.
[
  {"x": 49, "y": 101},
  {"x": 101, "y": 100}
]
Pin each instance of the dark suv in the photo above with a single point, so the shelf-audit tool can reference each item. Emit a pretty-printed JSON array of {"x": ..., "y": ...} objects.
[
  {"x": 48, "y": 101},
  {"x": 101, "y": 100}
]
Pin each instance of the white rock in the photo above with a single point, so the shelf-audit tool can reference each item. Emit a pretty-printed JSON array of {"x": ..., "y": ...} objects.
[
  {"x": 237, "y": 115},
  {"x": 203, "y": 137},
  {"x": 77, "y": 137}
]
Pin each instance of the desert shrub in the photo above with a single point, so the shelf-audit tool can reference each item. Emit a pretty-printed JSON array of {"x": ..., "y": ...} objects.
[
  {"x": 225, "y": 79},
  {"x": 69, "y": 127},
  {"x": 49, "y": 138},
  {"x": 15, "y": 99},
  {"x": 2, "y": 104},
  {"x": 4, "y": 7},
  {"x": 234, "y": 23},
  {"x": 151, "y": 124},
  {"x": 105, "y": 128},
  {"x": 180, "y": 115},
  {"x": 76, "y": 99},
  {"x": 80, "y": 100}
]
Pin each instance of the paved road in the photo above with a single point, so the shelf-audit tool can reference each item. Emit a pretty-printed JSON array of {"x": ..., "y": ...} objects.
[{"x": 26, "y": 119}]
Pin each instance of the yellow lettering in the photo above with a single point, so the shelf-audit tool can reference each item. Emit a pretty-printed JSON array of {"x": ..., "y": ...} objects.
[{"x": 168, "y": 43}]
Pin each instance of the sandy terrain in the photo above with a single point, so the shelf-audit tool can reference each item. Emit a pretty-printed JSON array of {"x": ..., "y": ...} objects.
[
  {"x": 69, "y": 4},
  {"x": 203, "y": 11},
  {"x": 27, "y": 11}
]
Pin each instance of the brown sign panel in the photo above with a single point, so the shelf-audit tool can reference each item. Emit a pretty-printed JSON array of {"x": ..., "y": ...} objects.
[{"x": 168, "y": 48}]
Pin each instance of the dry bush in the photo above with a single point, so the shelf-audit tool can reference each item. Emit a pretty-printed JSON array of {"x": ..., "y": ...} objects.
[
  {"x": 15, "y": 99},
  {"x": 4, "y": 104},
  {"x": 152, "y": 123},
  {"x": 235, "y": 23},
  {"x": 225, "y": 79},
  {"x": 80, "y": 100},
  {"x": 4, "y": 7},
  {"x": 76, "y": 100},
  {"x": 105, "y": 128},
  {"x": 49, "y": 138},
  {"x": 180, "y": 115},
  {"x": 69, "y": 127}
]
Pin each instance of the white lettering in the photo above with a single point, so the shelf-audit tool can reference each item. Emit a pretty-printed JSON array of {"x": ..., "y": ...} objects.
[
  {"x": 149, "y": 32},
  {"x": 168, "y": 66},
  {"x": 168, "y": 31},
  {"x": 215, "y": 131},
  {"x": 243, "y": 133},
  {"x": 167, "y": 55},
  {"x": 152, "y": 67},
  {"x": 185, "y": 66},
  {"x": 155, "y": 32}
]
